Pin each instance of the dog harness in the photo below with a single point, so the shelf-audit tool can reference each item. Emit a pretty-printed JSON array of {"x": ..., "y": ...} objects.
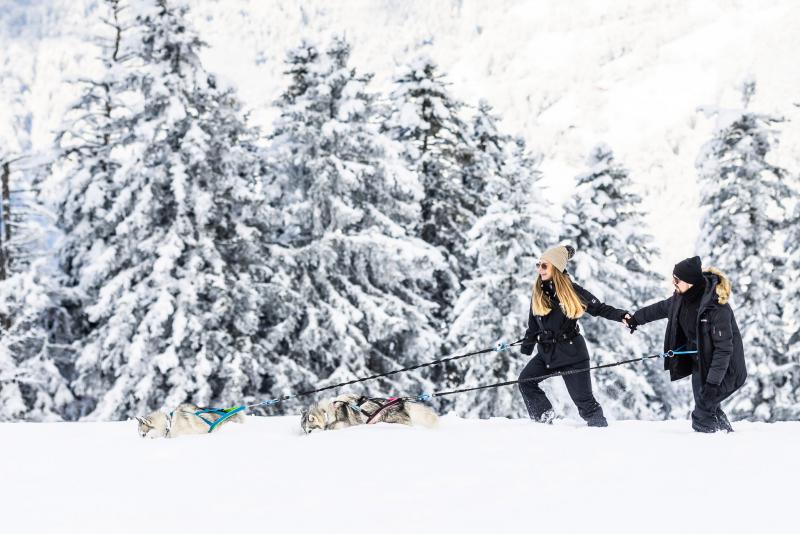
[
  {"x": 223, "y": 413},
  {"x": 384, "y": 405},
  {"x": 391, "y": 401}
]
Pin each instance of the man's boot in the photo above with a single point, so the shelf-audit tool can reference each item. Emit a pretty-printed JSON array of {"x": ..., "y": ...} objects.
[
  {"x": 705, "y": 426},
  {"x": 722, "y": 421},
  {"x": 597, "y": 419}
]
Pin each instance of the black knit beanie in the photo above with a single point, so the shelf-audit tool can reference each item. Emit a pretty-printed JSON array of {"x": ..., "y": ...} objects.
[{"x": 689, "y": 270}]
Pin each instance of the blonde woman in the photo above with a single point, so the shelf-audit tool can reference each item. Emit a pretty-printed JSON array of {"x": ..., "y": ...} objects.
[{"x": 556, "y": 305}]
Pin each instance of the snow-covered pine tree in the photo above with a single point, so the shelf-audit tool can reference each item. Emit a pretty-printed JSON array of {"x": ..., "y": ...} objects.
[
  {"x": 744, "y": 195},
  {"x": 789, "y": 405},
  {"x": 436, "y": 141},
  {"x": 33, "y": 325},
  {"x": 504, "y": 245},
  {"x": 604, "y": 223},
  {"x": 350, "y": 277},
  {"x": 159, "y": 186},
  {"x": 12, "y": 405},
  {"x": 14, "y": 148},
  {"x": 35, "y": 359},
  {"x": 438, "y": 146},
  {"x": 24, "y": 223},
  {"x": 35, "y": 355}
]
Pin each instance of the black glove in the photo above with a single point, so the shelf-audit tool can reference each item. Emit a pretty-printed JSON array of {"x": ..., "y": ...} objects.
[
  {"x": 527, "y": 347},
  {"x": 631, "y": 322},
  {"x": 710, "y": 393}
]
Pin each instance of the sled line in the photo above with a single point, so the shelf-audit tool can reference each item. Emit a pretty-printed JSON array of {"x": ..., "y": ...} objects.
[{"x": 500, "y": 347}]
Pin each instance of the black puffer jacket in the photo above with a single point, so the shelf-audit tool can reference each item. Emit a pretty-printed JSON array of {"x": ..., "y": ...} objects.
[
  {"x": 555, "y": 324},
  {"x": 720, "y": 354}
]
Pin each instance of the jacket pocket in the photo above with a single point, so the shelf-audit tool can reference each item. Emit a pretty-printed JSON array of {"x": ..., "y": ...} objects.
[{"x": 569, "y": 352}]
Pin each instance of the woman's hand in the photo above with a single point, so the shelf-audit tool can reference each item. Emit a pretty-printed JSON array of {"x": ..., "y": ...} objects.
[{"x": 630, "y": 322}]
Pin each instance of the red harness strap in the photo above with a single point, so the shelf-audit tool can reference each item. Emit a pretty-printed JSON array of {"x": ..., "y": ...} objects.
[{"x": 391, "y": 401}]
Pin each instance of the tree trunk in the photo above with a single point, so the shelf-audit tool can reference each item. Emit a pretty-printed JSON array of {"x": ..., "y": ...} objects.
[{"x": 5, "y": 235}]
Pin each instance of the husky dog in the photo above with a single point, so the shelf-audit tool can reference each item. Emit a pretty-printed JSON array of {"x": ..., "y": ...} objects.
[
  {"x": 182, "y": 422},
  {"x": 349, "y": 410}
]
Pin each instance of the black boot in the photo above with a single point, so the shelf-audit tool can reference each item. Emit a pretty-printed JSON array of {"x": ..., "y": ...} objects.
[
  {"x": 597, "y": 419},
  {"x": 706, "y": 429},
  {"x": 722, "y": 421}
]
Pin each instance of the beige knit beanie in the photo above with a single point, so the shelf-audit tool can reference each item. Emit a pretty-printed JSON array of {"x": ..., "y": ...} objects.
[{"x": 558, "y": 256}]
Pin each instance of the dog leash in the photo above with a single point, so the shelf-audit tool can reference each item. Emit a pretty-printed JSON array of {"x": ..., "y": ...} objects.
[
  {"x": 669, "y": 354},
  {"x": 500, "y": 347}
]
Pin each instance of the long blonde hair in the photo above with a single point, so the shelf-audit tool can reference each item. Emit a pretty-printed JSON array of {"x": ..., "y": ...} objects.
[{"x": 571, "y": 304}]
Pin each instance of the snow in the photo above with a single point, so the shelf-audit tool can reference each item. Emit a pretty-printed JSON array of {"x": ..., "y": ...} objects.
[
  {"x": 565, "y": 75},
  {"x": 640, "y": 76},
  {"x": 465, "y": 476}
]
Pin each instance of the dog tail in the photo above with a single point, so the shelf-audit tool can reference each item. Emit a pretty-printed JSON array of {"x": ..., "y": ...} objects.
[{"x": 422, "y": 415}]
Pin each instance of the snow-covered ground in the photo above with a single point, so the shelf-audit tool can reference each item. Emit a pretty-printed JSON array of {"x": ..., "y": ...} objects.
[{"x": 466, "y": 476}]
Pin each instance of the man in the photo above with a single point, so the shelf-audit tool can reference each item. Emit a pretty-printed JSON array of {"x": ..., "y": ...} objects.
[{"x": 700, "y": 318}]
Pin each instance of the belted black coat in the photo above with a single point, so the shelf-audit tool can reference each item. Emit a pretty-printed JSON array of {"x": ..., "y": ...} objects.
[
  {"x": 720, "y": 353},
  {"x": 570, "y": 351}
]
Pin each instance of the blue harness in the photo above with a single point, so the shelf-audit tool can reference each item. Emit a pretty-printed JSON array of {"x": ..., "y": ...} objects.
[{"x": 223, "y": 413}]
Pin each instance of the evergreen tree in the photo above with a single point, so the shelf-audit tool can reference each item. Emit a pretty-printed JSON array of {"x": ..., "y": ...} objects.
[
  {"x": 35, "y": 356},
  {"x": 437, "y": 145},
  {"x": 505, "y": 243},
  {"x": 349, "y": 275},
  {"x": 159, "y": 193},
  {"x": 603, "y": 222},
  {"x": 34, "y": 321},
  {"x": 14, "y": 147},
  {"x": 788, "y": 376},
  {"x": 744, "y": 196}
]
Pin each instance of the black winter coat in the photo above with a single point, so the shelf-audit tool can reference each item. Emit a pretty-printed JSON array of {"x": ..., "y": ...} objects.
[
  {"x": 720, "y": 354},
  {"x": 564, "y": 352}
]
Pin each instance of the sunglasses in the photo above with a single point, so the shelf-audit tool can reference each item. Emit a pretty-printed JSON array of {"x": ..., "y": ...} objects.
[
  {"x": 542, "y": 265},
  {"x": 676, "y": 280}
]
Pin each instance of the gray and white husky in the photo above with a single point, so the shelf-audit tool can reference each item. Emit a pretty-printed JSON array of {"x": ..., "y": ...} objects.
[
  {"x": 349, "y": 410},
  {"x": 182, "y": 422}
]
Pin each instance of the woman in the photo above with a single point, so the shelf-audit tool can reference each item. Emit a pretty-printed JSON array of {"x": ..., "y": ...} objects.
[{"x": 556, "y": 305}]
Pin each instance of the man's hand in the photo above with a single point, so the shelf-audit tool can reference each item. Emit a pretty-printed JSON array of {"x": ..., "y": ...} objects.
[{"x": 630, "y": 322}]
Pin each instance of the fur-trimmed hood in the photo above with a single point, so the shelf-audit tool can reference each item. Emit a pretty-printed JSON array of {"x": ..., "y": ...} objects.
[{"x": 719, "y": 283}]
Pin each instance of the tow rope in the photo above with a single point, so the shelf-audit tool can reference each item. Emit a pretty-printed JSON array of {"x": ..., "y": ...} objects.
[
  {"x": 500, "y": 347},
  {"x": 668, "y": 354}
]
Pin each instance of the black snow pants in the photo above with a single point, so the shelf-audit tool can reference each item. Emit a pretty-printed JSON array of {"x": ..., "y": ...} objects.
[
  {"x": 579, "y": 386},
  {"x": 707, "y": 417}
]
